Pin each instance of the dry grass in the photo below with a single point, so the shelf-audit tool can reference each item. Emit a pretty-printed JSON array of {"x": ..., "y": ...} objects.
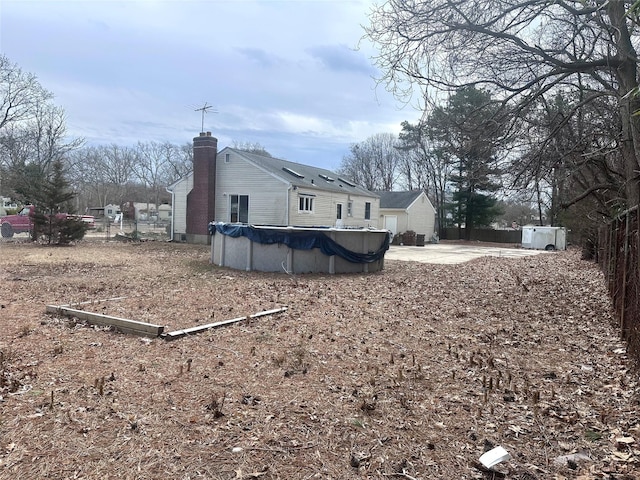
[{"x": 411, "y": 372}]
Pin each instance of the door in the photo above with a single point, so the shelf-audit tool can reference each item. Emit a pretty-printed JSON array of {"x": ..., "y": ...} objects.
[
  {"x": 339, "y": 222},
  {"x": 391, "y": 223},
  {"x": 239, "y": 208}
]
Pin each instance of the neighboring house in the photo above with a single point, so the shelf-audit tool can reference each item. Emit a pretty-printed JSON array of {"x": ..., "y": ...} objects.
[
  {"x": 112, "y": 211},
  {"x": 7, "y": 203},
  {"x": 147, "y": 212},
  {"x": 407, "y": 211},
  {"x": 237, "y": 186},
  {"x": 164, "y": 212}
]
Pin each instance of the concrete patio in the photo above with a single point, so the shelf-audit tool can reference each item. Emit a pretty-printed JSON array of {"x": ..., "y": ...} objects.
[{"x": 448, "y": 253}]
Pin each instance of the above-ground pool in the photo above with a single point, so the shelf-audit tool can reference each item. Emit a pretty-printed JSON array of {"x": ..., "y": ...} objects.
[{"x": 298, "y": 249}]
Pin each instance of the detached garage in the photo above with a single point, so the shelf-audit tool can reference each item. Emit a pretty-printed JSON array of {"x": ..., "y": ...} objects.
[{"x": 409, "y": 211}]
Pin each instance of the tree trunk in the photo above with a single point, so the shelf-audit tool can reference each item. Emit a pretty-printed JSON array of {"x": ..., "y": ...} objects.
[{"x": 628, "y": 95}]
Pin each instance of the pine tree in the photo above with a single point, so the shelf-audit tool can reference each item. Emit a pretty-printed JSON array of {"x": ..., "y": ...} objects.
[
  {"x": 468, "y": 129},
  {"x": 52, "y": 204}
]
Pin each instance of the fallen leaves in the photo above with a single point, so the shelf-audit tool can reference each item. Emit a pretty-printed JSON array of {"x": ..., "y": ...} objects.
[{"x": 412, "y": 371}]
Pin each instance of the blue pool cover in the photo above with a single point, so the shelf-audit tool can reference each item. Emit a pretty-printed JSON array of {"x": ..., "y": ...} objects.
[{"x": 299, "y": 240}]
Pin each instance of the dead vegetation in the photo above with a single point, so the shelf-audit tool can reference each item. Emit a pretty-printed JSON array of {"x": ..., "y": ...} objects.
[{"x": 412, "y": 372}]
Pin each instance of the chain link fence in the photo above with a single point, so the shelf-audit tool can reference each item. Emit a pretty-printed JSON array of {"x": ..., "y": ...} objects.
[{"x": 131, "y": 229}]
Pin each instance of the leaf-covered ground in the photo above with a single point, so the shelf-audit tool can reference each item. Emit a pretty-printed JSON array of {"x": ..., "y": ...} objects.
[{"x": 412, "y": 372}]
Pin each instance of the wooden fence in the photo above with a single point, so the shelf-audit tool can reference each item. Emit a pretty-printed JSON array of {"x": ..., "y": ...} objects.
[
  {"x": 483, "y": 235},
  {"x": 617, "y": 255}
]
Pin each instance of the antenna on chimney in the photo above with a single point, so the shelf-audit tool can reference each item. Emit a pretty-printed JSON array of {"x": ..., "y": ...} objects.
[{"x": 204, "y": 109}]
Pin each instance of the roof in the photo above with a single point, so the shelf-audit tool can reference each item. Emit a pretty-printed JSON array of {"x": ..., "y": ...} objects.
[
  {"x": 398, "y": 200},
  {"x": 306, "y": 176}
]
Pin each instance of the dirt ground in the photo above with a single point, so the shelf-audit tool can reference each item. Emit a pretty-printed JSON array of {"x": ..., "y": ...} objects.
[{"x": 412, "y": 372}]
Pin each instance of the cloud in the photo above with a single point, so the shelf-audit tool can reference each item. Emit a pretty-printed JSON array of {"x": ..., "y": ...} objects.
[
  {"x": 259, "y": 56},
  {"x": 341, "y": 58},
  {"x": 279, "y": 72}
]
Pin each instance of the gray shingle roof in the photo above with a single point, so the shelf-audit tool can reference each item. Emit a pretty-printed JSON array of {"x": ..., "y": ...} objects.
[
  {"x": 305, "y": 175},
  {"x": 401, "y": 200}
]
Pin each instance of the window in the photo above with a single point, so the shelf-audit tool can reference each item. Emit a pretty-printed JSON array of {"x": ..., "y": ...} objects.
[
  {"x": 339, "y": 211},
  {"x": 349, "y": 208},
  {"x": 367, "y": 210},
  {"x": 306, "y": 204},
  {"x": 227, "y": 157},
  {"x": 239, "y": 211}
]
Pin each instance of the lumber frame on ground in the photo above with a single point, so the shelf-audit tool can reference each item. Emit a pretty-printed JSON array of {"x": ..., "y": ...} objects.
[
  {"x": 201, "y": 328},
  {"x": 121, "y": 324},
  {"x": 144, "y": 329}
]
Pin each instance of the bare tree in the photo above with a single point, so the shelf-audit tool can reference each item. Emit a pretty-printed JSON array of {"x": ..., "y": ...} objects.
[
  {"x": 179, "y": 162},
  {"x": 520, "y": 50},
  {"x": 150, "y": 167},
  {"x": 33, "y": 134},
  {"x": 430, "y": 166},
  {"x": 48, "y": 131},
  {"x": 251, "y": 147},
  {"x": 374, "y": 163},
  {"x": 105, "y": 172},
  {"x": 20, "y": 94},
  {"x": 570, "y": 152},
  {"x": 30, "y": 148}
]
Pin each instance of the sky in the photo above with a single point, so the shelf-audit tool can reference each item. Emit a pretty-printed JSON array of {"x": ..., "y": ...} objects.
[{"x": 291, "y": 75}]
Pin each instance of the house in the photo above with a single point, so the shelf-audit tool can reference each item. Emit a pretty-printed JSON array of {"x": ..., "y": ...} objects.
[
  {"x": 407, "y": 211},
  {"x": 147, "y": 212},
  {"x": 7, "y": 203},
  {"x": 164, "y": 212},
  {"x": 240, "y": 187},
  {"x": 112, "y": 211}
]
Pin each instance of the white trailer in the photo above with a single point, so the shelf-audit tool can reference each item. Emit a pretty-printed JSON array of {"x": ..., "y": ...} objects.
[{"x": 544, "y": 238}]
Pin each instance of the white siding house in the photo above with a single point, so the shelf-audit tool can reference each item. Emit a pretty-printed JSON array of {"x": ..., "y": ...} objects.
[
  {"x": 179, "y": 192},
  {"x": 262, "y": 190},
  {"x": 248, "y": 193},
  {"x": 407, "y": 211},
  {"x": 164, "y": 212},
  {"x": 112, "y": 211}
]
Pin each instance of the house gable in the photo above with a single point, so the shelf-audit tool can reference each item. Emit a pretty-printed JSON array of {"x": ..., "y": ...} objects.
[
  {"x": 243, "y": 185},
  {"x": 413, "y": 209}
]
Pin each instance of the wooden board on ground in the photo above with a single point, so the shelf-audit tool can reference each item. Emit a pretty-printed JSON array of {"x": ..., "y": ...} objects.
[
  {"x": 121, "y": 324},
  {"x": 135, "y": 327},
  {"x": 201, "y": 328}
]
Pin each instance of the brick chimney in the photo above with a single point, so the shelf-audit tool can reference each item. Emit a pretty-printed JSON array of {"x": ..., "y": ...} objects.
[{"x": 201, "y": 200}]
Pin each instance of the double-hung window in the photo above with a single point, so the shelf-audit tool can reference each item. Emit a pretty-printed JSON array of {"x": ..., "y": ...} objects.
[{"x": 367, "y": 210}]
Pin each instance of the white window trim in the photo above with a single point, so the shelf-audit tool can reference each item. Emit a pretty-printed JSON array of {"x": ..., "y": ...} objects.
[
  {"x": 307, "y": 199},
  {"x": 248, "y": 205}
]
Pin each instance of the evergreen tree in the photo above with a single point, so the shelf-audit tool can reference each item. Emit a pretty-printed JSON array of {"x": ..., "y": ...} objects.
[
  {"x": 468, "y": 130},
  {"x": 52, "y": 204}
]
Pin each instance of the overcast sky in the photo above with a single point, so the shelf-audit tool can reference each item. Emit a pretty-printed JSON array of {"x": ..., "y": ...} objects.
[{"x": 285, "y": 74}]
